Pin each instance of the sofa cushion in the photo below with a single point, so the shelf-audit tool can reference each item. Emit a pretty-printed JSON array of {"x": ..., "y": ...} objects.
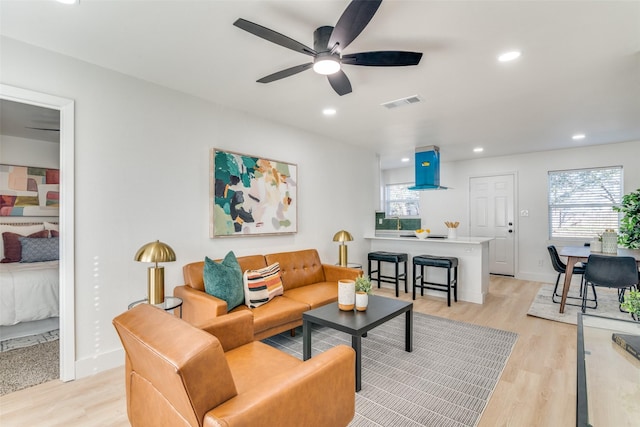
[
  {"x": 298, "y": 268},
  {"x": 193, "y": 272},
  {"x": 262, "y": 285},
  {"x": 280, "y": 311},
  {"x": 315, "y": 295},
  {"x": 224, "y": 280}
]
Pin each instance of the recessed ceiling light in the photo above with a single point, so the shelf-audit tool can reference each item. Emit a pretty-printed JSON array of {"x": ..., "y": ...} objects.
[
  {"x": 478, "y": 150},
  {"x": 578, "y": 136},
  {"x": 68, "y": 1},
  {"x": 509, "y": 56},
  {"x": 405, "y": 159},
  {"x": 329, "y": 111}
]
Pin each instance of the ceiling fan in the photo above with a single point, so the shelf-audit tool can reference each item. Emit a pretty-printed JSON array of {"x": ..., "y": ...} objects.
[
  {"x": 328, "y": 43},
  {"x": 46, "y": 129}
]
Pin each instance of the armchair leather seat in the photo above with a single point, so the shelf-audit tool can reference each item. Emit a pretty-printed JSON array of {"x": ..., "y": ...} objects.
[{"x": 216, "y": 375}]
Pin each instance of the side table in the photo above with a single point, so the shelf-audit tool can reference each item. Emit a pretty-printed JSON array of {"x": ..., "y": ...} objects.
[{"x": 170, "y": 303}]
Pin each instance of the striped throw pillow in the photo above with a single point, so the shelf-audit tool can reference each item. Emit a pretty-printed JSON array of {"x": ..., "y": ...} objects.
[{"x": 261, "y": 286}]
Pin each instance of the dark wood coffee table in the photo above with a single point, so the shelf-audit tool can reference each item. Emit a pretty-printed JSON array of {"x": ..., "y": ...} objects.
[{"x": 357, "y": 324}]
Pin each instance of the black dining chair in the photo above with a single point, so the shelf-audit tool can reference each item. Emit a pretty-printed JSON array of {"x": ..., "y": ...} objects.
[
  {"x": 612, "y": 272},
  {"x": 561, "y": 268}
]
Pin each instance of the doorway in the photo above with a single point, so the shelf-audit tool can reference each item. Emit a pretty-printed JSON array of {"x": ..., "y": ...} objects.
[
  {"x": 66, "y": 220},
  {"x": 491, "y": 205}
]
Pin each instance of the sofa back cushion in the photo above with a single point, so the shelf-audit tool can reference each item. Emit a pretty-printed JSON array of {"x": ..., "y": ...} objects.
[
  {"x": 298, "y": 268},
  {"x": 193, "y": 272},
  {"x": 176, "y": 371}
]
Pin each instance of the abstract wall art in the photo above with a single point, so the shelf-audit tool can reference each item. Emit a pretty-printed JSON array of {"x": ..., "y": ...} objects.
[
  {"x": 251, "y": 195},
  {"x": 29, "y": 191}
]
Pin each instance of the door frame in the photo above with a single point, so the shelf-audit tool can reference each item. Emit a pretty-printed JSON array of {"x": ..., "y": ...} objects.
[
  {"x": 67, "y": 219},
  {"x": 516, "y": 215}
]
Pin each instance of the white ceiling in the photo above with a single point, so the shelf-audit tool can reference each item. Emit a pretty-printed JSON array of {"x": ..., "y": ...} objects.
[{"x": 579, "y": 70}]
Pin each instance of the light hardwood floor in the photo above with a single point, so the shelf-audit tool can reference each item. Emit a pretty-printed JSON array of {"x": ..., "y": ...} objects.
[{"x": 537, "y": 387}]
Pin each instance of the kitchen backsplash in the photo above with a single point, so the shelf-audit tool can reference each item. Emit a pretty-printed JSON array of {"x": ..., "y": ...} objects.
[{"x": 383, "y": 223}]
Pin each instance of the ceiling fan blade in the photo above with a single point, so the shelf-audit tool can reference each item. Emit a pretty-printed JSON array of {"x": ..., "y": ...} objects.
[
  {"x": 386, "y": 58},
  {"x": 353, "y": 20},
  {"x": 285, "y": 73},
  {"x": 273, "y": 37},
  {"x": 49, "y": 129},
  {"x": 340, "y": 82}
]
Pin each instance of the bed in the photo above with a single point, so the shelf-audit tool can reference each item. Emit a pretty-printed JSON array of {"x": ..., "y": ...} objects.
[
  {"x": 28, "y": 291},
  {"x": 29, "y": 273}
]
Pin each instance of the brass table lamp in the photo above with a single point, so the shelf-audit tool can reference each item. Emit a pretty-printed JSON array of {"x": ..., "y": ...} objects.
[
  {"x": 155, "y": 252},
  {"x": 342, "y": 236}
]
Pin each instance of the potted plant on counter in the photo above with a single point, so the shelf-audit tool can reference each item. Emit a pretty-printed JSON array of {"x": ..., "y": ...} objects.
[{"x": 363, "y": 290}]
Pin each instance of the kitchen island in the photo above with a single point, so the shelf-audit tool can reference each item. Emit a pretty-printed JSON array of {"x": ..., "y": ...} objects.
[{"x": 472, "y": 254}]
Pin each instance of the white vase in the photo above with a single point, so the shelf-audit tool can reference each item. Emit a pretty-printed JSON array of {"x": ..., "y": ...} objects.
[
  {"x": 362, "y": 301},
  {"x": 596, "y": 246},
  {"x": 609, "y": 242},
  {"x": 453, "y": 233},
  {"x": 346, "y": 294}
]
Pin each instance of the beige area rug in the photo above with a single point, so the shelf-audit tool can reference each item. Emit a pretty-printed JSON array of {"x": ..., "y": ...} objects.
[
  {"x": 545, "y": 308},
  {"x": 28, "y": 361}
]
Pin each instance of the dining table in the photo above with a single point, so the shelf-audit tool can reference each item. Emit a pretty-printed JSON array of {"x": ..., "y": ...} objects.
[{"x": 577, "y": 254}]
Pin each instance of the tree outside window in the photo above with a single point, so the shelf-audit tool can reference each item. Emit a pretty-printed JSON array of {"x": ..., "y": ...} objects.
[
  {"x": 581, "y": 201},
  {"x": 400, "y": 201}
]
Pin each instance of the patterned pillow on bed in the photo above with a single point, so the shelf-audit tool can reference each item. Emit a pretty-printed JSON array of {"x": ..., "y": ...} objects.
[
  {"x": 23, "y": 230},
  {"x": 39, "y": 250},
  {"x": 12, "y": 246}
]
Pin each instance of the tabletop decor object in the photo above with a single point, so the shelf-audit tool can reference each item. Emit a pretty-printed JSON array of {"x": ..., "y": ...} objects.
[
  {"x": 630, "y": 222},
  {"x": 609, "y": 242},
  {"x": 155, "y": 252},
  {"x": 452, "y": 226},
  {"x": 342, "y": 236},
  {"x": 363, "y": 290},
  {"x": 346, "y": 294},
  {"x": 422, "y": 233},
  {"x": 596, "y": 244}
]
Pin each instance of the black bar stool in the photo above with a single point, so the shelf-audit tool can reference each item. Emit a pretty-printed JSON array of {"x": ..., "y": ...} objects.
[
  {"x": 395, "y": 258},
  {"x": 440, "y": 262}
]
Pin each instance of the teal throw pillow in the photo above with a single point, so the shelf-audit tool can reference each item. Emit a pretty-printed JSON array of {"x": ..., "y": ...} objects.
[{"x": 224, "y": 280}]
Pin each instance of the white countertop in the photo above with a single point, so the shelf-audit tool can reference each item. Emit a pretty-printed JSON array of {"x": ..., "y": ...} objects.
[{"x": 465, "y": 240}]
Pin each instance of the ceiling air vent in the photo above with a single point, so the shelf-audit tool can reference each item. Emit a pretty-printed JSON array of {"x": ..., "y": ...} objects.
[{"x": 401, "y": 102}]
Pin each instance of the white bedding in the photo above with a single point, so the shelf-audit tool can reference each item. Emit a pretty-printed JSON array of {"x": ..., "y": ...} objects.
[{"x": 28, "y": 291}]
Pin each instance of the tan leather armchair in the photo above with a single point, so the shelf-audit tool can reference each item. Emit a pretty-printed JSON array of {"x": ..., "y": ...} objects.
[{"x": 181, "y": 375}]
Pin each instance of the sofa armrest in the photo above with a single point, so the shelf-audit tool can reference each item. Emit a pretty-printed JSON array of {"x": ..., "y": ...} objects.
[
  {"x": 232, "y": 330},
  {"x": 333, "y": 273},
  {"x": 198, "y": 306},
  {"x": 320, "y": 392}
]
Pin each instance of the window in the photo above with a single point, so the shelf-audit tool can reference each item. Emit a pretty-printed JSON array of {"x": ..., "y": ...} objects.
[
  {"x": 400, "y": 201},
  {"x": 581, "y": 201}
]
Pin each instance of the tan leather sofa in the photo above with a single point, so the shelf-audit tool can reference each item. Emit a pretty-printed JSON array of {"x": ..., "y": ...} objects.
[
  {"x": 307, "y": 284},
  {"x": 178, "y": 375}
]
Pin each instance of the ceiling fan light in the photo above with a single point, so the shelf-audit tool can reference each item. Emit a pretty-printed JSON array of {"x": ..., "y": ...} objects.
[{"x": 326, "y": 66}]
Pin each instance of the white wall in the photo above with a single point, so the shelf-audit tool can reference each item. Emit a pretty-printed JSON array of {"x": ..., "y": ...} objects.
[
  {"x": 531, "y": 194},
  {"x": 29, "y": 152},
  {"x": 142, "y": 165}
]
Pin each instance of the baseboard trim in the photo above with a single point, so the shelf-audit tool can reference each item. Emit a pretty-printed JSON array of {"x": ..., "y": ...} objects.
[{"x": 99, "y": 362}]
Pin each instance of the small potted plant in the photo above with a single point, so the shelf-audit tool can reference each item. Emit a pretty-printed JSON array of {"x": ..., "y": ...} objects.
[
  {"x": 363, "y": 290},
  {"x": 632, "y": 304}
]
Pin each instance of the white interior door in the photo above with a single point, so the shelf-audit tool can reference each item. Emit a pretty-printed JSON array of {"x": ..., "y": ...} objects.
[{"x": 491, "y": 215}]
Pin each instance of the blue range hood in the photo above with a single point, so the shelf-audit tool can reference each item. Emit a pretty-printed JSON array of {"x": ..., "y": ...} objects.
[{"x": 427, "y": 167}]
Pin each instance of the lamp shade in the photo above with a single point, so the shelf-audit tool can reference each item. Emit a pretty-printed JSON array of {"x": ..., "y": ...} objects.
[
  {"x": 342, "y": 236},
  {"x": 155, "y": 252}
]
